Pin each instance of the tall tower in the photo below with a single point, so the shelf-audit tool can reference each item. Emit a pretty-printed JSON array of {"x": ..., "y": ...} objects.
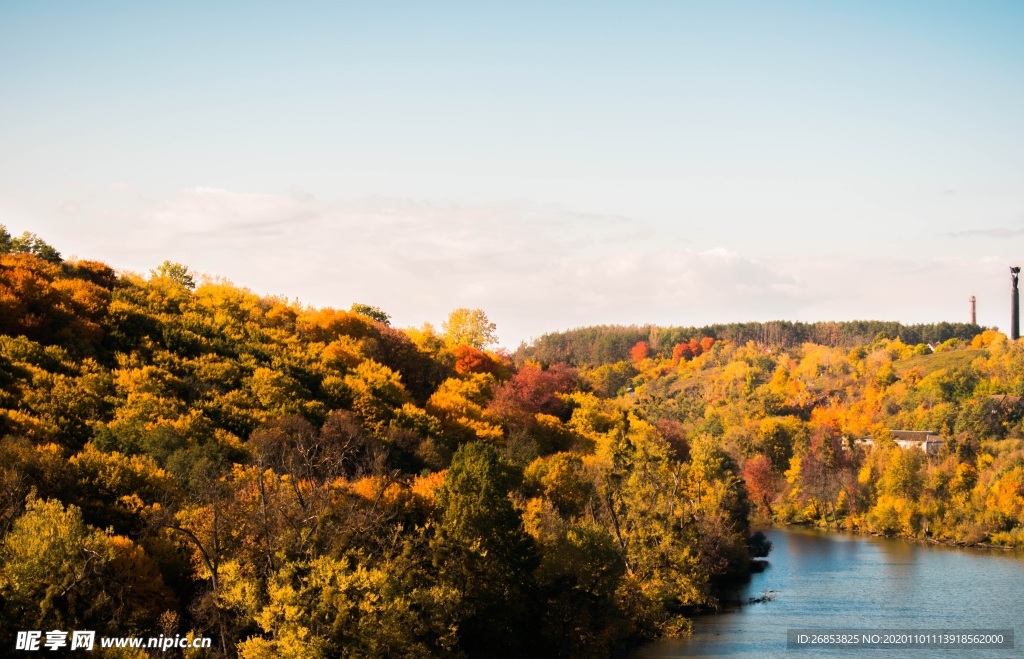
[
  {"x": 974, "y": 316},
  {"x": 1015, "y": 305}
]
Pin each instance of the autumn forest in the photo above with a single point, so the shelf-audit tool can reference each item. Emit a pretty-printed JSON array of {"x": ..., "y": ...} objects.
[{"x": 179, "y": 455}]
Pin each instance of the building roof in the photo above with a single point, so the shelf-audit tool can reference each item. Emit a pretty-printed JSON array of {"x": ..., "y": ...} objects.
[{"x": 916, "y": 435}]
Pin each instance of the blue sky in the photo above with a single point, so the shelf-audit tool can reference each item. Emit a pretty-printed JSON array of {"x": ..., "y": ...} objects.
[{"x": 556, "y": 164}]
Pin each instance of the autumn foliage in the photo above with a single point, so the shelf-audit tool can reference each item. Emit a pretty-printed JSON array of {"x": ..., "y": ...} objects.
[
  {"x": 471, "y": 360},
  {"x": 693, "y": 348},
  {"x": 196, "y": 458}
]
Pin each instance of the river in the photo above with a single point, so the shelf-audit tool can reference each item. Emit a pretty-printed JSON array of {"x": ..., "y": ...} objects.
[{"x": 837, "y": 581}]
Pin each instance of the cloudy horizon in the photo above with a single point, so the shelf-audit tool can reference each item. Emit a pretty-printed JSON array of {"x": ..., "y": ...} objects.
[{"x": 556, "y": 166}]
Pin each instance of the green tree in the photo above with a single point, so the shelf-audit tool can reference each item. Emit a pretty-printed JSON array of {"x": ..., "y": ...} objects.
[
  {"x": 175, "y": 272},
  {"x": 376, "y": 313},
  {"x": 58, "y": 572},
  {"x": 483, "y": 552},
  {"x": 652, "y": 522},
  {"x": 30, "y": 243},
  {"x": 902, "y": 474},
  {"x": 580, "y": 570}
]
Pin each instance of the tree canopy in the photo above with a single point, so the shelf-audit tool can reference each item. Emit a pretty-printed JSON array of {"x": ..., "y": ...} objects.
[
  {"x": 190, "y": 457},
  {"x": 469, "y": 327}
]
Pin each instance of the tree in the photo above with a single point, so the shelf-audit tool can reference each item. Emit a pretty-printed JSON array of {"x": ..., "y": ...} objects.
[
  {"x": 469, "y": 327},
  {"x": 58, "y": 572},
  {"x": 580, "y": 570},
  {"x": 175, "y": 272},
  {"x": 376, "y": 392},
  {"x": 609, "y": 379},
  {"x": 639, "y": 352},
  {"x": 459, "y": 404},
  {"x": 470, "y": 360},
  {"x": 26, "y": 467},
  {"x": 760, "y": 481},
  {"x": 645, "y": 507},
  {"x": 290, "y": 445},
  {"x": 561, "y": 480},
  {"x": 681, "y": 352},
  {"x": 375, "y": 313},
  {"x": 901, "y": 476},
  {"x": 332, "y": 607},
  {"x": 719, "y": 508},
  {"x": 777, "y": 436},
  {"x": 28, "y": 243},
  {"x": 482, "y": 550},
  {"x": 533, "y": 391}
]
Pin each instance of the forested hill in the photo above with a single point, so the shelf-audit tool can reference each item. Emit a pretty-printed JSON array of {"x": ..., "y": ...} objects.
[
  {"x": 182, "y": 457},
  {"x": 607, "y": 344}
]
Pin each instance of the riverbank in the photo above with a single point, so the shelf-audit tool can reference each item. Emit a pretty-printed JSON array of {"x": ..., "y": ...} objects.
[{"x": 855, "y": 530}]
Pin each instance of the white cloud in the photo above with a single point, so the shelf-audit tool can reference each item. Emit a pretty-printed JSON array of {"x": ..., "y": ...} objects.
[
  {"x": 999, "y": 233},
  {"x": 534, "y": 268}
]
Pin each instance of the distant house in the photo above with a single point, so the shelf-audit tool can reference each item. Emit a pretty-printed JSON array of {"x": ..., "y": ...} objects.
[{"x": 922, "y": 440}]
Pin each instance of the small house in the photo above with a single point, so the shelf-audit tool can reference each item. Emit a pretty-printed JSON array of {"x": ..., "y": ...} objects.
[{"x": 922, "y": 440}]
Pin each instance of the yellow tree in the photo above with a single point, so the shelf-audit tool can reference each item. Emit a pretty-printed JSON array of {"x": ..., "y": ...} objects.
[
  {"x": 469, "y": 327},
  {"x": 58, "y": 572}
]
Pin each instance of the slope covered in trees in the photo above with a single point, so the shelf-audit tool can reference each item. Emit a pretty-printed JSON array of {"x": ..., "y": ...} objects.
[
  {"x": 293, "y": 482},
  {"x": 814, "y": 428}
]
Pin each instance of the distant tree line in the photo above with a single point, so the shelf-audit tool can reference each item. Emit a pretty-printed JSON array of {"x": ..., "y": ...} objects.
[{"x": 607, "y": 344}]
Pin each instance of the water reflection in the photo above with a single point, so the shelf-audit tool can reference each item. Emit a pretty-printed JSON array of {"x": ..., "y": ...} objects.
[{"x": 826, "y": 580}]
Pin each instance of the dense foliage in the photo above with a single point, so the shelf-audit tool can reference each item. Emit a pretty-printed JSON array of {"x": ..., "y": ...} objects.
[
  {"x": 814, "y": 429},
  {"x": 187, "y": 457}
]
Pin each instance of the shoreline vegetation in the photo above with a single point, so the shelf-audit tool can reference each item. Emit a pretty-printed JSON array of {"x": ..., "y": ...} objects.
[
  {"x": 906, "y": 538},
  {"x": 186, "y": 457}
]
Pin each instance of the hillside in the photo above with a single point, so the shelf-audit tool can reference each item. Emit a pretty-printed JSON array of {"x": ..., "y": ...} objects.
[
  {"x": 287, "y": 481},
  {"x": 180, "y": 457},
  {"x": 796, "y": 420}
]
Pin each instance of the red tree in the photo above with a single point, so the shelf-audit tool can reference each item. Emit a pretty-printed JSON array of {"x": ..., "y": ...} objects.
[
  {"x": 470, "y": 360},
  {"x": 533, "y": 390},
  {"x": 760, "y": 481},
  {"x": 640, "y": 351},
  {"x": 681, "y": 351}
]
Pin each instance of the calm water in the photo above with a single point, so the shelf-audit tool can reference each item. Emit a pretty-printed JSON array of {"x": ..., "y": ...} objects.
[{"x": 823, "y": 580}]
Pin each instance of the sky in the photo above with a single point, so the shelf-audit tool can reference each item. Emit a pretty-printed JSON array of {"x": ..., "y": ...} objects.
[{"x": 556, "y": 164}]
